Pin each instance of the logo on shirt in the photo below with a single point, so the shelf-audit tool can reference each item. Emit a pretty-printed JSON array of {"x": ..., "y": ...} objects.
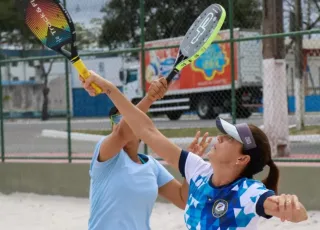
[{"x": 220, "y": 207}]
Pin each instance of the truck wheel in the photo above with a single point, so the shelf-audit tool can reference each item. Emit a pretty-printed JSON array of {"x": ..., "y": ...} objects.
[
  {"x": 205, "y": 109},
  {"x": 175, "y": 115}
]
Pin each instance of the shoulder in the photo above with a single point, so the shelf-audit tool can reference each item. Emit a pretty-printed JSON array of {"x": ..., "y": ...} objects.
[
  {"x": 254, "y": 185},
  {"x": 162, "y": 174},
  {"x": 98, "y": 166},
  {"x": 250, "y": 187},
  {"x": 191, "y": 166},
  {"x": 253, "y": 193},
  {"x": 156, "y": 164}
]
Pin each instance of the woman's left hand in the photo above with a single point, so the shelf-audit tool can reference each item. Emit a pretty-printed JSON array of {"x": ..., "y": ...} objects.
[{"x": 287, "y": 207}]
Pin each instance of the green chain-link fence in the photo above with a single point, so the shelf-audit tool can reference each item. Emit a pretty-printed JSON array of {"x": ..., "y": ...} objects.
[{"x": 262, "y": 65}]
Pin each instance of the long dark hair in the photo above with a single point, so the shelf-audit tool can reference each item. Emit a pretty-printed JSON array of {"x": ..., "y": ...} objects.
[{"x": 263, "y": 150}]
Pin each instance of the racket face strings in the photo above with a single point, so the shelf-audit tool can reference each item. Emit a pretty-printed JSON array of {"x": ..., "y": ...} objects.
[
  {"x": 202, "y": 30},
  {"x": 47, "y": 21},
  {"x": 199, "y": 37}
]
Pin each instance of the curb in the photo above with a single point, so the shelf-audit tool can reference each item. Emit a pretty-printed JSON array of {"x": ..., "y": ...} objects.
[
  {"x": 74, "y": 136},
  {"x": 95, "y": 138}
]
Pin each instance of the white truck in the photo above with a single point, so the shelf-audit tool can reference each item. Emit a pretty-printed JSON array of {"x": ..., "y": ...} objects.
[{"x": 204, "y": 86}]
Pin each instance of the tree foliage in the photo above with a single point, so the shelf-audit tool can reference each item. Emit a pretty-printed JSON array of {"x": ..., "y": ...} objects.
[
  {"x": 13, "y": 31},
  {"x": 166, "y": 18}
]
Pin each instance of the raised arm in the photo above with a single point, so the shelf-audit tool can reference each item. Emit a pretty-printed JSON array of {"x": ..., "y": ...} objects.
[
  {"x": 122, "y": 134},
  {"x": 138, "y": 121}
]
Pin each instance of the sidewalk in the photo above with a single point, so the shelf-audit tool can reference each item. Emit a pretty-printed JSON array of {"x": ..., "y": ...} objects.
[{"x": 95, "y": 138}]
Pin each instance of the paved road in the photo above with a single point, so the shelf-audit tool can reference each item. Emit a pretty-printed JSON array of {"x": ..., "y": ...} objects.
[{"x": 25, "y": 136}]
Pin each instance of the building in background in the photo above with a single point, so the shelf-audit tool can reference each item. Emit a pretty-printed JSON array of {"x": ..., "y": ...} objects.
[{"x": 22, "y": 85}]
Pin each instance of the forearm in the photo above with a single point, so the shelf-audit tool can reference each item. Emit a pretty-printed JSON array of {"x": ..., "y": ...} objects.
[
  {"x": 137, "y": 120},
  {"x": 143, "y": 127},
  {"x": 172, "y": 192},
  {"x": 124, "y": 128},
  {"x": 185, "y": 191}
]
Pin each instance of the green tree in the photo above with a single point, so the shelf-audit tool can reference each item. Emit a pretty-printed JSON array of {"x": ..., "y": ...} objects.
[
  {"x": 12, "y": 28},
  {"x": 86, "y": 38},
  {"x": 166, "y": 18}
]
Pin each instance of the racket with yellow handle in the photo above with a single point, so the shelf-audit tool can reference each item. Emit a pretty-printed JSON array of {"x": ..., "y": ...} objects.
[{"x": 50, "y": 22}]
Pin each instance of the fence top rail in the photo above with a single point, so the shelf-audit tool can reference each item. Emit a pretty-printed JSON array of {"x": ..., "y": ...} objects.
[
  {"x": 278, "y": 160},
  {"x": 135, "y": 50}
]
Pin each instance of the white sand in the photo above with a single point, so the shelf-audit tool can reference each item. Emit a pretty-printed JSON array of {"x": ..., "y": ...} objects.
[{"x": 34, "y": 212}]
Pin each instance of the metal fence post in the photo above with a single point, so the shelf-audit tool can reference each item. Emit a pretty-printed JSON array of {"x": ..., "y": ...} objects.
[
  {"x": 68, "y": 104},
  {"x": 142, "y": 57},
  {"x": 1, "y": 119},
  {"x": 233, "y": 92}
]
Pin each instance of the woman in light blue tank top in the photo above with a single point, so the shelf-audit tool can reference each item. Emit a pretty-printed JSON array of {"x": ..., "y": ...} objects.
[{"x": 124, "y": 185}]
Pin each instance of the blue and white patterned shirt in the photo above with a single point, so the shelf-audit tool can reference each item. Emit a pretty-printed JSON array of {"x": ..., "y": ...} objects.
[{"x": 235, "y": 206}]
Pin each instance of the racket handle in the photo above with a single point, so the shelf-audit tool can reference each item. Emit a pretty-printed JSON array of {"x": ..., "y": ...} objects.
[
  {"x": 84, "y": 72},
  {"x": 171, "y": 75}
]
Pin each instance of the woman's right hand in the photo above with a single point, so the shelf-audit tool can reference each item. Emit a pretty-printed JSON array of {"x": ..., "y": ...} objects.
[
  {"x": 197, "y": 147},
  {"x": 94, "y": 78}
]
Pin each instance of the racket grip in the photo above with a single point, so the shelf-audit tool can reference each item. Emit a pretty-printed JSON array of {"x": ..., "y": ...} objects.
[
  {"x": 171, "y": 75},
  {"x": 84, "y": 72}
]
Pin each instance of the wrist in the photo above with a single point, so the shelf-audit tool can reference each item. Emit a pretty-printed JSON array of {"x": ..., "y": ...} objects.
[
  {"x": 107, "y": 87},
  {"x": 149, "y": 99}
]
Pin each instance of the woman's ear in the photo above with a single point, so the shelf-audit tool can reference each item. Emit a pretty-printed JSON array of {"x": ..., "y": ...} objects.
[{"x": 243, "y": 160}]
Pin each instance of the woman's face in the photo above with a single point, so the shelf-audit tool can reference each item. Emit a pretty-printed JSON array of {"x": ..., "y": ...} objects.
[{"x": 226, "y": 150}]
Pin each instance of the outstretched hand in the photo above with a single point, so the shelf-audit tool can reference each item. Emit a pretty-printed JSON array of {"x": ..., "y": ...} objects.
[
  {"x": 287, "y": 207},
  {"x": 199, "y": 148}
]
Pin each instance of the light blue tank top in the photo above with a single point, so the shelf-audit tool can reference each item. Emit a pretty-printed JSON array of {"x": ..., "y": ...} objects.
[{"x": 122, "y": 192}]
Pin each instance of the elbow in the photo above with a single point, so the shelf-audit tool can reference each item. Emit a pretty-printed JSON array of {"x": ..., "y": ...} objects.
[
  {"x": 182, "y": 206},
  {"x": 182, "y": 203},
  {"x": 183, "y": 200}
]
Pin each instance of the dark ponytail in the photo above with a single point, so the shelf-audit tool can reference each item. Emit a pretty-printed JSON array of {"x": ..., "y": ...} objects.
[
  {"x": 260, "y": 157},
  {"x": 271, "y": 182}
]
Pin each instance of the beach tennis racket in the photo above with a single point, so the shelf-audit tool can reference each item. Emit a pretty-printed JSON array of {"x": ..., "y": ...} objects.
[
  {"x": 50, "y": 22},
  {"x": 199, "y": 37}
]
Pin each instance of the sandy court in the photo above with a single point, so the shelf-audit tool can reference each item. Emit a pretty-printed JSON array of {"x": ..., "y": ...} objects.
[{"x": 37, "y": 212}]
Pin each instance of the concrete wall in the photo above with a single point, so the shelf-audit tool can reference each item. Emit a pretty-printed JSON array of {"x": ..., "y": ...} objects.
[
  {"x": 29, "y": 97},
  {"x": 22, "y": 98},
  {"x": 73, "y": 180}
]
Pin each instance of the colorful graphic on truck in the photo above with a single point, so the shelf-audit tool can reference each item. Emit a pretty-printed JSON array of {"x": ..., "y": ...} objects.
[
  {"x": 211, "y": 69},
  {"x": 160, "y": 63},
  {"x": 212, "y": 62}
]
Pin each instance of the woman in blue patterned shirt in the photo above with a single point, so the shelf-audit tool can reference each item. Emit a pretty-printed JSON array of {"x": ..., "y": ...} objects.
[{"x": 222, "y": 193}]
